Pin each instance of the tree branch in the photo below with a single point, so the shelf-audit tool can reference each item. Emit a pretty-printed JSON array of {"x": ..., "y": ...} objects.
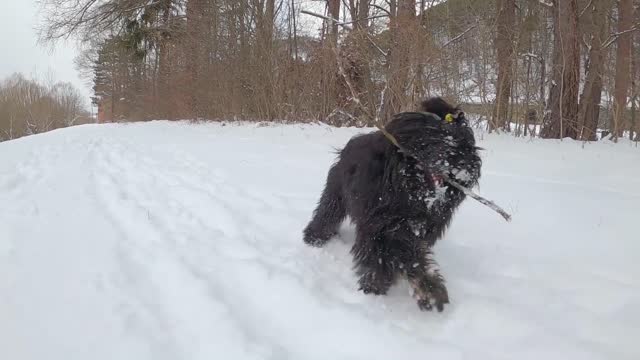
[
  {"x": 459, "y": 36},
  {"x": 544, "y": 3},
  {"x": 584, "y": 10},
  {"x": 382, "y": 9},
  {"x": 324, "y": 17},
  {"x": 366, "y": 19},
  {"x": 614, "y": 37}
]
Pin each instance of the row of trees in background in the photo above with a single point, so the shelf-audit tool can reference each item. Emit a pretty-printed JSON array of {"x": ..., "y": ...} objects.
[
  {"x": 29, "y": 107},
  {"x": 554, "y": 68},
  {"x": 590, "y": 66}
]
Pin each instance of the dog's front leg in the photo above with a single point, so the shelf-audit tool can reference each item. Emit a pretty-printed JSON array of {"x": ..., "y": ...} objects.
[
  {"x": 428, "y": 285},
  {"x": 372, "y": 263}
]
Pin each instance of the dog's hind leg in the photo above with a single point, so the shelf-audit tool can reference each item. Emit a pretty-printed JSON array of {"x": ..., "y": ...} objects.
[{"x": 329, "y": 213}]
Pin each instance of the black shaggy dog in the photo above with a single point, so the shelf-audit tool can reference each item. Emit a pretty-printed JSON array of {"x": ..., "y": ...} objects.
[{"x": 400, "y": 203}]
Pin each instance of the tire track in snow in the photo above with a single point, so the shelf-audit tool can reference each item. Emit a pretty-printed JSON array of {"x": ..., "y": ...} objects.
[
  {"x": 16, "y": 183},
  {"x": 222, "y": 241},
  {"x": 194, "y": 316},
  {"x": 132, "y": 286}
]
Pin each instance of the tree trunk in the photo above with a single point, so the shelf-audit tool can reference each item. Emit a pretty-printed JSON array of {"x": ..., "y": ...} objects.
[
  {"x": 561, "y": 115},
  {"x": 330, "y": 79},
  {"x": 164, "y": 66},
  {"x": 333, "y": 6},
  {"x": 265, "y": 23},
  {"x": 354, "y": 55},
  {"x": 363, "y": 14},
  {"x": 195, "y": 34},
  {"x": 544, "y": 55},
  {"x": 402, "y": 27},
  {"x": 589, "y": 111},
  {"x": 635, "y": 71},
  {"x": 623, "y": 57},
  {"x": 506, "y": 13}
]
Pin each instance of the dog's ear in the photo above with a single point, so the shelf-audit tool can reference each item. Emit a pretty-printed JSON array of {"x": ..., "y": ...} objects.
[{"x": 438, "y": 106}]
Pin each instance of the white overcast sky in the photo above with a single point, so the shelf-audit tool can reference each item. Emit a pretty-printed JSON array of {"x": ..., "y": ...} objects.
[{"x": 20, "y": 52}]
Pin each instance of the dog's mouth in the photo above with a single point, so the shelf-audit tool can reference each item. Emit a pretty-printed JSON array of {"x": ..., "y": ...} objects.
[{"x": 437, "y": 180}]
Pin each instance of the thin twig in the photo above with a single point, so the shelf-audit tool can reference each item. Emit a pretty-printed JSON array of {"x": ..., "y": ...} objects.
[
  {"x": 381, "y": 9},
  {"x": 324, "y": 17},
  {"x": 584, "y": 10},
  {"x": 614, "y": 37},
  {"x": 544, "y": 3},
  {"x": 344, "y": 25},
  {"x": 459, "y": 36},
  {"x": 338, "y": 111},
  {"x": 341, "y": 23},
  {"x": 477, "y": 197},
  {"x": 382, "y": 52},
  {"x": 366, "y": 19}
]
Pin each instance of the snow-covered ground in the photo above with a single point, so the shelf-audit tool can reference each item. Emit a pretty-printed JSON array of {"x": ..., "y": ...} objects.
[{"x": 174, "y": 241}]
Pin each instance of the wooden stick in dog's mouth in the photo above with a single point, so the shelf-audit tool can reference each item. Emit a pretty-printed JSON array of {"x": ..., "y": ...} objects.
[
  {"x": 493, "y": 206},
  {"x": 490, "y": 204}
]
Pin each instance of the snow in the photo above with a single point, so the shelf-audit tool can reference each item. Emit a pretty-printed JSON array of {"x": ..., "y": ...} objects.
[{"x": 169, "y": 240}]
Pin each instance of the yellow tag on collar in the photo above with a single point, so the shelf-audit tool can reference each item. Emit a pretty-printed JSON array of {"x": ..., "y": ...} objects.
[{"x": 448, "y": 118}]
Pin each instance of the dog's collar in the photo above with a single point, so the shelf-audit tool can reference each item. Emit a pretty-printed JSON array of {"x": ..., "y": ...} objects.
[
  {"x": 430, "y": 114},
  {"x": 449, "y": 118}
]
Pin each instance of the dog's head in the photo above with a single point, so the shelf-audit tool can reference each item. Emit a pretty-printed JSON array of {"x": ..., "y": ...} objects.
[
  {"x": 451, "y": 115},
  {"x": 440, "y": 136},
  {"x": 459, "y": 159}
]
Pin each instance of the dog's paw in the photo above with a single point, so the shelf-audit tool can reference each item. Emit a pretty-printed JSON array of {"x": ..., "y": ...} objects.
[
  {"x": 430, "y": 293},
  {"x": 318, "y": 237},
  {"x": 314, "y": 241},
  {"x": 369, "y": 283}
]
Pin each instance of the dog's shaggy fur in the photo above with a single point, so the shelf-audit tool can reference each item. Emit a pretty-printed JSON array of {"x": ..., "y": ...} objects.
[{"x": 399, "y": 204}]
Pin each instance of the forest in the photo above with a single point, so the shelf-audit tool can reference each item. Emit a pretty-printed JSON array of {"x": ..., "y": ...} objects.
[{"x": 552, "y": 69}]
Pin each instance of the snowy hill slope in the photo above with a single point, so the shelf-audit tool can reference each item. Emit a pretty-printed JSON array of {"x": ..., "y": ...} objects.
[{"x": 174, "y": 241}]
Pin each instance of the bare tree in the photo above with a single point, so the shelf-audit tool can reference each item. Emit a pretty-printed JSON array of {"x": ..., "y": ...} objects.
[
  {"x": 402, "y": 26},
  {"x": 623, "y": 66},
  {"x": 589, "y": 111},
  {"x": 333, "y": 7},
  {"x": 29, "y": 107},
  {"x": 505, "y": 21},
  {"x": 196, "y": 33},
  {"x": 561, "y": 118},
  {"x": 88, "y": 18}
]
